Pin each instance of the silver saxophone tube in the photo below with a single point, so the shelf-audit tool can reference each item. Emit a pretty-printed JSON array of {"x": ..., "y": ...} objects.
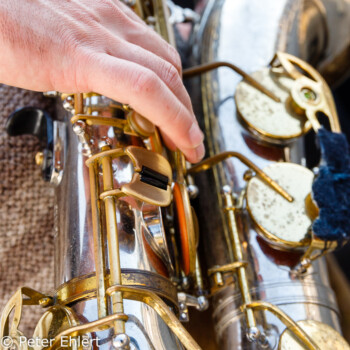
[
  {"x": 142, "y": 242},
  {"x": 74, "y": 244},
  {"x": 116, "y": 274},
  {"x": 248, "y": 34}
]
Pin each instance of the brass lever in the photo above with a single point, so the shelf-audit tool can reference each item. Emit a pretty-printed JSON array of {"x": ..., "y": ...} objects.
[{"x": 210, "y": 162}]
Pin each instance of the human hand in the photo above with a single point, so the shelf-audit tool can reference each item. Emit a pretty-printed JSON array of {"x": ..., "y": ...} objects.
[{"x": 101, "y": 46}]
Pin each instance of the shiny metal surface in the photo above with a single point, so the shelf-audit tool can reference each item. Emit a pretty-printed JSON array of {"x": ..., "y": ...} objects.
[
  {"x": 59, "y": 152},
  {"x": 248, "y": 34},
  {"x": 136, "y": 221}
]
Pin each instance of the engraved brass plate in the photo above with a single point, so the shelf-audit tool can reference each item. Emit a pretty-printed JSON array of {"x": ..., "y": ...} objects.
[
  {"x": 282, "y": 223},
  {"x": 323, "y": 335},
  {"x": 84, "y": 287},
  {"x": 270, "y": 120}
]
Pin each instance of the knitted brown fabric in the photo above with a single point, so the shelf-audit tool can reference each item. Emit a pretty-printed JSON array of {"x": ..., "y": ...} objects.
[{"x": 26, "y": 209}]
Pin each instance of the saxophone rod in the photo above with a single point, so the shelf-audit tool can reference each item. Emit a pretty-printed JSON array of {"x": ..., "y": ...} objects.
[
  {"x": 98, "y": 243},
  {"x": 193, "y": 71},
  {"x": 241, "y": 271},
  {"x": 113, "y": 242},
  {"x": 210, "y": 162}
]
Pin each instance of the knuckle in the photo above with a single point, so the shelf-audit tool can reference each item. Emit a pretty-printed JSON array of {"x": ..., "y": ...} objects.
[
  {"x": 144, "y": 82},
  {"x": 105, "y": 6},
  {"x": 136, "y": 30},
  {"x": 171, "y": 75}
]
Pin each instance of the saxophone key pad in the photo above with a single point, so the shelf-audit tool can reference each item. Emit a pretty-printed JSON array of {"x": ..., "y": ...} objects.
[
  {"x": 324, "y": 336},
  {"x": 284, "y": 224},
  {"x": 271, "y": 121}
]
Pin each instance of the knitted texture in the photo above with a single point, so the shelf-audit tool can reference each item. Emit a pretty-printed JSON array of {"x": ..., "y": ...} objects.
[
  {"x": 331, "y": 188},
  {"x": 26, "y": 209}
]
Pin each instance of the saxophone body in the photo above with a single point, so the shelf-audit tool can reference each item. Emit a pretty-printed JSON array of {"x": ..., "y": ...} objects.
[
  {"x": 117, "y": 269},
  {"x": 126, "y": 260},
  {"x": 137, "y": 222},
  {"x": 248, "y": 34}
]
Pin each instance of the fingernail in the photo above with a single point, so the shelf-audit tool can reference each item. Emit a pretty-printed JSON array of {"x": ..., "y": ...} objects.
[
  {"x": 195, "y": 134},
  {"x": 200, "y": 151}
]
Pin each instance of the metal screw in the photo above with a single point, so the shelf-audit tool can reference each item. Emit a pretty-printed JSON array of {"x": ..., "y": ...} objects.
[
  {"x": 263, "y": 341},
  {"x": 68, "y": 103},
  {"x": 184, "y": 316},
  {"x": 253, "y": 334},
  {"x": 192, "y": 191},
  {"x": 308, "y": 94},
  {"x": 203, "y": 303},
  {"x": 226, "y": 189},
  {"x": 45, "y": 302},
  {"x": 248, "y": 175},
  {"x": 105, "y": 142},
  {"x": 127, "y": 108},
  {"x": 39, "y": 158},
  {"x": 121, "y": 342},
  {"x": 185, "y": 283},
  {"x": 316, "y": 170},
  {"x": 79, "y": 127}
]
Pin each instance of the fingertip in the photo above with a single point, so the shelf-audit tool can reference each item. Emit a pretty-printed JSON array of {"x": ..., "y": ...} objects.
[
  {"x": 195, "y": 155},
  {"x": 195, "y": 135},
  {"x": 200, "y": 152}
]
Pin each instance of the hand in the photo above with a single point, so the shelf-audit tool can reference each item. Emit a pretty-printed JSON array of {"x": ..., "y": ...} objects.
[{"x": 101, "y": 46}]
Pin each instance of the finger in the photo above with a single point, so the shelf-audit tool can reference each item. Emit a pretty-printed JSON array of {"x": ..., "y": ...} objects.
[
  {"x": 192, "y": 155},
  {"x": 130, "y": 83},
  {"x": 165, "y": 70},
  {"x": 168, "y": 142},
  {"x": 137, "y": 32},
  {"x": 195, "y": 155},
  {"x": 121, "y": 21},
  {"x": 129, "y": 12}
]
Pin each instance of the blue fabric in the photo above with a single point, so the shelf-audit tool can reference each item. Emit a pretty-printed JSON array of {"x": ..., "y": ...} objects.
[{"x": 331, "y": 188}]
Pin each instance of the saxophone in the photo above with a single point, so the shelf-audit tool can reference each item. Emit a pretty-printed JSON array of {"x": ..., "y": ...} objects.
[
  {"x": 127, "y": 261},
  {"x": 263, "y": 276},
  {"x": 119, "y": 267}
]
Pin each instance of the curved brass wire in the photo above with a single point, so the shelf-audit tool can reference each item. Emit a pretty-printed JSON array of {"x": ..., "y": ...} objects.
[
  {"x": 289, "y": 323},
  {"x": 210, "y": 162},
  {"x": 193, "y": 71},
  {"x": 157, "y": 304}
]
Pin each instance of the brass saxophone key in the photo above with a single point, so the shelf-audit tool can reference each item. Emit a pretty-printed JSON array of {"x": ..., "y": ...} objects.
[
  {"x": 272, "y": 121},
  {"x": 287, "y": 225},
  {"x": 283, "y": 224},
  {"x": 324, "y": 336},
  {"x": 309, "y": 92},
  {"x": 151, "y": 181},
  {"x": 303, "y": 93},
  {"x": 152, "y": 178}
]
